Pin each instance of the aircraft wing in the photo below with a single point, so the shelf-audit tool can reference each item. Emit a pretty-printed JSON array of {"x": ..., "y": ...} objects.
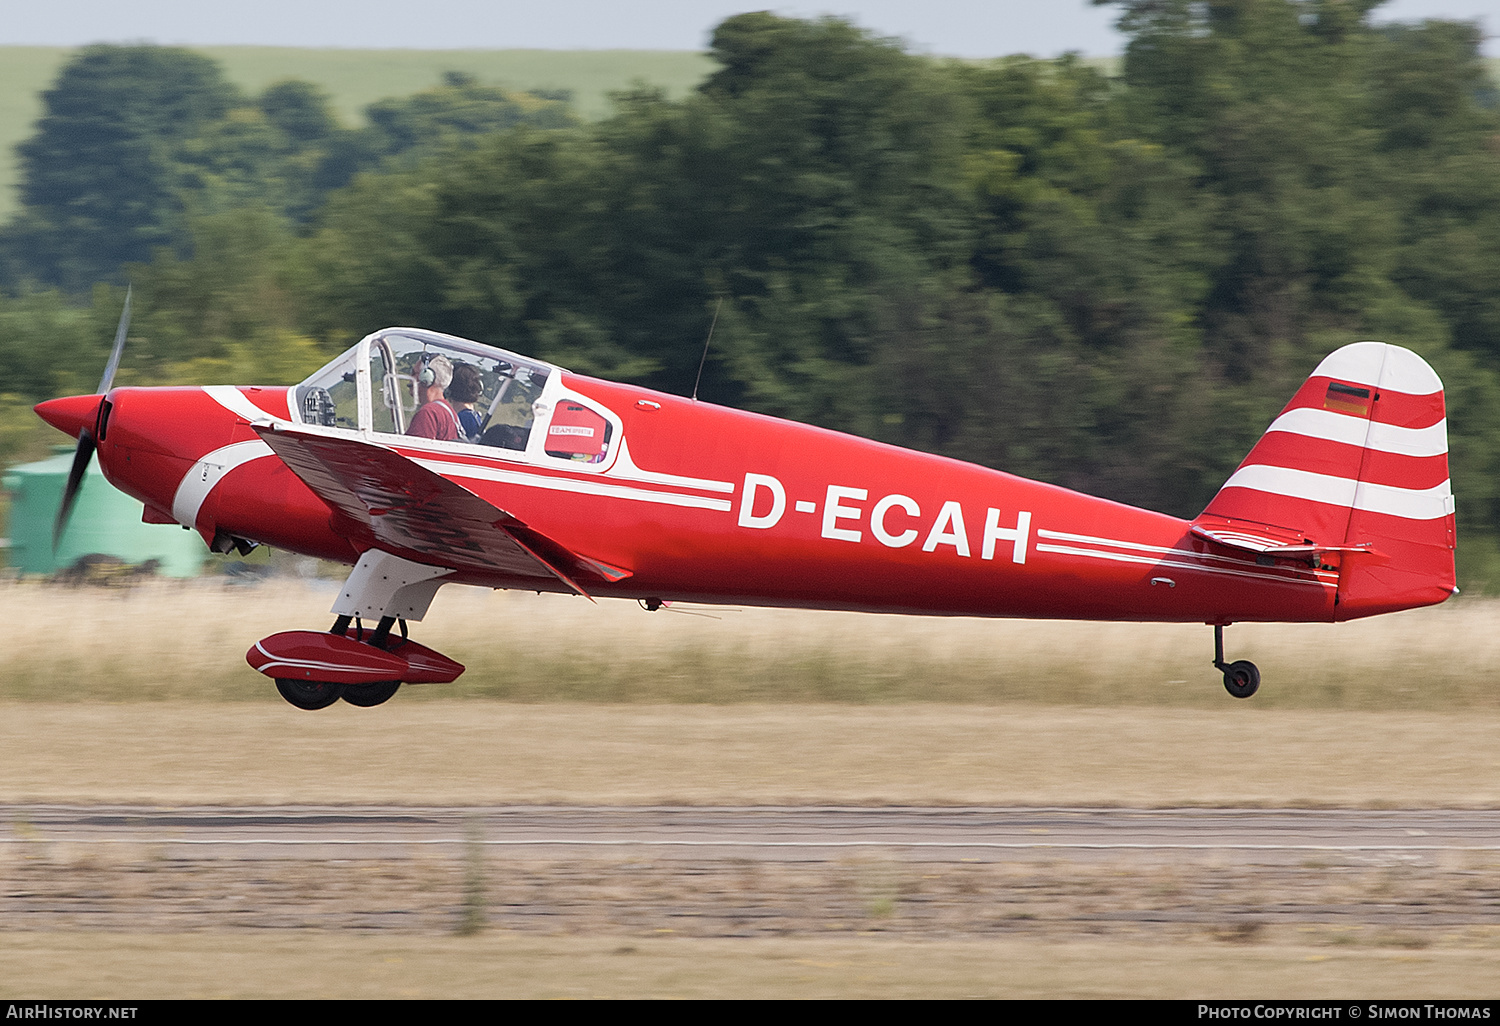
[{"x": 391, "y": 503}]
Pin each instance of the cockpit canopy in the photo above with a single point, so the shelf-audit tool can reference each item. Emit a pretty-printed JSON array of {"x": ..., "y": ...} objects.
[{"x": 378, "y": 386}]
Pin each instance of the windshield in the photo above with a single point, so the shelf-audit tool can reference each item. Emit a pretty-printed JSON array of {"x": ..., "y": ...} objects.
[
  {"x": 483, "y": 395},
  {"x": 490, "y": 393}
]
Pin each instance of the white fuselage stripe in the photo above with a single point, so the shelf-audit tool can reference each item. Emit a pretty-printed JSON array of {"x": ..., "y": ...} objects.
[
  {"x": 593, "y": 486},
  {"x": 1113, "y": 542},
  {"x": 1411, "y": 503},
  {"x": 202, "y": 476},
  {"x": 207, "y": 472},
  {"x": 1368, "y": 434},
  {"x": 626, "y": 470},
  {"x": 1179, "y": 553},
  {"x": 233, "y": 400},
  {"x": 675, "y": 480}
]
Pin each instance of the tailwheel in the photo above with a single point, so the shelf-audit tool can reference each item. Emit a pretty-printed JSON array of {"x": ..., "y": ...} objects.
[
  {"x": 1241, "y": 678},
  {"x": 310, "y": 694},
  {"x": 367, "y": 695}
]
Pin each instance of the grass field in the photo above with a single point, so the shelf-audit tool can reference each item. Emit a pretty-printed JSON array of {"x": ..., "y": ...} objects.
[
  {"x": 497, "y": 753},
  {"x": 144, "y": 696},
  {"x": 186, "y": 641},
  {"x": 297, "y": 964}
]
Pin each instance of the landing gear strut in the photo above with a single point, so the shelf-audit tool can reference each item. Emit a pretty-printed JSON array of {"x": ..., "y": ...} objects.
[
  {"x": 314, "y": 669},
  {"x": 1241, "y": 677}
]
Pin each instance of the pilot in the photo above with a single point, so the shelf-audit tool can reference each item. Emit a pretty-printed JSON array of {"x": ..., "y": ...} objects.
[{"x": 437, "y": 418}]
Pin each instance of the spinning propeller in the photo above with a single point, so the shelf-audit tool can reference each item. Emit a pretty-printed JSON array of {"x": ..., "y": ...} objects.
[{"x": 86, "y": 441}]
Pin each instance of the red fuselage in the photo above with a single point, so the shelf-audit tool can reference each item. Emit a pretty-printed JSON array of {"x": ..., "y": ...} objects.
[{"x": 716, "y": 505}]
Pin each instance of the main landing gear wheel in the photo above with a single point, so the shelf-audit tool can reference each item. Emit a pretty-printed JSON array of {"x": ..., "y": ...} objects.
[
  {"x": 310, "y": 694},
  {"x": 367, "y": 695},
  {"x": 1241, "y": 678}
]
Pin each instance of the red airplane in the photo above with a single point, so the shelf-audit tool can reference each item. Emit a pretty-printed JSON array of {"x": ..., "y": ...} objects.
[{"x": 553, "y": 481}]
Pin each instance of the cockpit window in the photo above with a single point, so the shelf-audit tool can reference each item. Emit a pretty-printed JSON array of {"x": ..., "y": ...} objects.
[
  {"x": 330, "y": 398},
  {"x": 490, "y": 396},
  {"x": 404, "y": 369},
  {"x": 578, "y": 433}
]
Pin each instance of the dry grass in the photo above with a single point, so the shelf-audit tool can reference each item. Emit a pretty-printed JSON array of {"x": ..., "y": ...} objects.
[
  {"x": 144, "y": 695},
  {"x": 312, "y": 964},
  {"x": 187, "y": 641}
]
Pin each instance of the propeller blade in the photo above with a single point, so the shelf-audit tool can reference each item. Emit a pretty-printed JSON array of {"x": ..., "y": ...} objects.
[
  {"x": 81, "y": 457},
  {"x": 86, "y": 444},
  {"x": 114, "y": 356}
]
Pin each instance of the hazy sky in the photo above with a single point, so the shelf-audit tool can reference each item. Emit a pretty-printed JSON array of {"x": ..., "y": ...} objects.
[{"x": 966, "y": 28}]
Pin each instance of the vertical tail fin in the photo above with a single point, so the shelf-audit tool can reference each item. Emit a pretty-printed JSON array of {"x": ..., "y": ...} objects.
[{"x": 1353, "y": 473}]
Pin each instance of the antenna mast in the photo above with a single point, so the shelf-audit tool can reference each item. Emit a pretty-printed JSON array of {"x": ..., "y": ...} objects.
[{"x": 702, "y": 359}]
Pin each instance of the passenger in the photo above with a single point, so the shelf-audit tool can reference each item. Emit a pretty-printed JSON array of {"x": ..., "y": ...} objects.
[
  {"x": 437, "y": 418},
  {"x": 463, "y": 393}
]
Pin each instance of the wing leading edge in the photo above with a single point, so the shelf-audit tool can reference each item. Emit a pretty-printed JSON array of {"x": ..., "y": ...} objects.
[{"x": 384, "y": 500}]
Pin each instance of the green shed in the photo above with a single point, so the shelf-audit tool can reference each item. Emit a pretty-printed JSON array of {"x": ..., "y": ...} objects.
[{"x": 105, "y": 520}]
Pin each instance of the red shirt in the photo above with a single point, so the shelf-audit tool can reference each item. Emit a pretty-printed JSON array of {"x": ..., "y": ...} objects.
[{"x": 436, "y": 420}]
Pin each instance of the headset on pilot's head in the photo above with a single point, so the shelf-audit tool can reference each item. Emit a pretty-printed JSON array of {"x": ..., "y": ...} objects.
[{"x": 441, "y": 374}]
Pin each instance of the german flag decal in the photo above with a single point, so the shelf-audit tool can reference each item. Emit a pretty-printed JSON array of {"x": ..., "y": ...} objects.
[{"x": 1349, "y": 399}]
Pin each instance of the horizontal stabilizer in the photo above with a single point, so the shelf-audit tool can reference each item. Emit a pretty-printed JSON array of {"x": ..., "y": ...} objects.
[{"x": 1272, "y": 542}]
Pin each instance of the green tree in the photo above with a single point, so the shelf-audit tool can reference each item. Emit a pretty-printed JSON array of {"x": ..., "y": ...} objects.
[
  {"x": 821, "y": 180},
  {"x": 458, "y": 109},
  {"x": 300, "y": 110},
  {"x": 1438, "y": 116},
  {"x": 285, "y": 151},
  {"x": 226, "y": 313},
  {"x": 100, "y": 178}
]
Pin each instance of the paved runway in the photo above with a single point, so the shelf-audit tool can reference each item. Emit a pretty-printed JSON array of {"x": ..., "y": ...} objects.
[{"x": 794, "y": 834}]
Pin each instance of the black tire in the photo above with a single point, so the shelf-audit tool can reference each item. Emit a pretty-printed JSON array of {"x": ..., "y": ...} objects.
[
  {"x": 367, "y": 695},
  {"x": 1242, "y": 678},
  {"x": 309, "y": 694}
]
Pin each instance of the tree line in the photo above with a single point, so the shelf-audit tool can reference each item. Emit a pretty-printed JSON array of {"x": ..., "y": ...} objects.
[{"x": 1111, "y": 283}]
